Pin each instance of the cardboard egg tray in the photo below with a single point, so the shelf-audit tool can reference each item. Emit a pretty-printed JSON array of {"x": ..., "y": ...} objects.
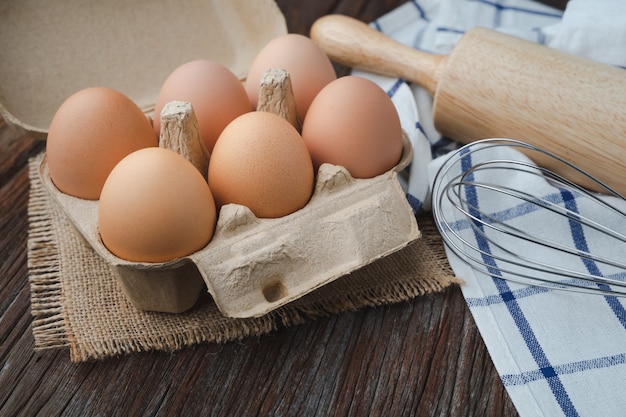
[{"x": 252, "y": 265}]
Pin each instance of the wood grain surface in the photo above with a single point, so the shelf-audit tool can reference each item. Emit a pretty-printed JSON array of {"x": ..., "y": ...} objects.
[{"x": 419, "y": 358}]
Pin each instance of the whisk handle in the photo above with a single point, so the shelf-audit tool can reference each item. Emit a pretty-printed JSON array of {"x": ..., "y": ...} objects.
[{"x": 353, "y": 43}]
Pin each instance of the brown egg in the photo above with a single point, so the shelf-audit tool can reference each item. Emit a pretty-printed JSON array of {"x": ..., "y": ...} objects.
[
  {"x": 216, "y": 94},
  {"x": 90, "y": 133},
  {"x": 309, "y": 67},
  {"x": 155, "y": 207},
  {"x": 353, "y": 123},
  {"x": 261, "y": 162}
]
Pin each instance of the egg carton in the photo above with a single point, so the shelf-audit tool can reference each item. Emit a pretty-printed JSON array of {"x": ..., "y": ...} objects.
[
  {"x": 252, "y": 265},
  {"x": 255, "y": 265}
]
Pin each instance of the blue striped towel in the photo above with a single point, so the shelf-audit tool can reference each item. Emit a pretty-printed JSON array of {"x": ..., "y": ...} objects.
[{"x": 557, "y": 353}]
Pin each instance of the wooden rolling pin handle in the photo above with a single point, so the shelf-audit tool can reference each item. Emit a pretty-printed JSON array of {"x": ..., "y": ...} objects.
[{"x": 353, "y": 43}]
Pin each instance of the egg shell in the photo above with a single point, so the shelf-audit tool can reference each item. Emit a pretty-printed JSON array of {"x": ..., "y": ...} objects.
[
  {"x": 215, "y": 93},
  {"x": 90, "y": 133},
  {"x": 260, "y": 161},
  {"x": 155, "y": 207},
  {"x": 352, "y": 122},
  {"x": 309, "y": 67}
]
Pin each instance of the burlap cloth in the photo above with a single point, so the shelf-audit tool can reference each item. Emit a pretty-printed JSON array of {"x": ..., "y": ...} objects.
[{"x": 76, "y": 301}]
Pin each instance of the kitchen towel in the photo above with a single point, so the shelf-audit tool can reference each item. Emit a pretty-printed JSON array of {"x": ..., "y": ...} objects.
[{"x": 558, "y": 353}]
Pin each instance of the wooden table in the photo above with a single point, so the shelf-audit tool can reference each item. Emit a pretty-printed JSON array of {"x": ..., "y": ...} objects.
[{"x": 424, "y": 357}]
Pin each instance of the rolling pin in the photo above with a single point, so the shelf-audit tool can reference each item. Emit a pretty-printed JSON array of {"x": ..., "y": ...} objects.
[{"x": 494, "y": 85}]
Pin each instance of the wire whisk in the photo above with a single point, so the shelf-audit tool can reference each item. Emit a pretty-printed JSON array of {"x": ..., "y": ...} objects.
[{"x": 511, "y": 219}]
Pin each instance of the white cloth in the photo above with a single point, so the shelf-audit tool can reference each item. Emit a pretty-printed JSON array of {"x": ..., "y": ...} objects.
[
  {"x": 595, "y": 29},
  {"x": 557, "y": 353}
]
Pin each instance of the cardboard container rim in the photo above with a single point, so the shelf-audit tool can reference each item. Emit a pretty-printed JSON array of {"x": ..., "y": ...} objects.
[{"x": 40, "y": 66}]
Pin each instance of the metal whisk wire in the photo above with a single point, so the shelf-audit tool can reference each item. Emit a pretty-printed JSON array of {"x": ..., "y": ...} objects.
[{"x": 502, "y": 245}]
